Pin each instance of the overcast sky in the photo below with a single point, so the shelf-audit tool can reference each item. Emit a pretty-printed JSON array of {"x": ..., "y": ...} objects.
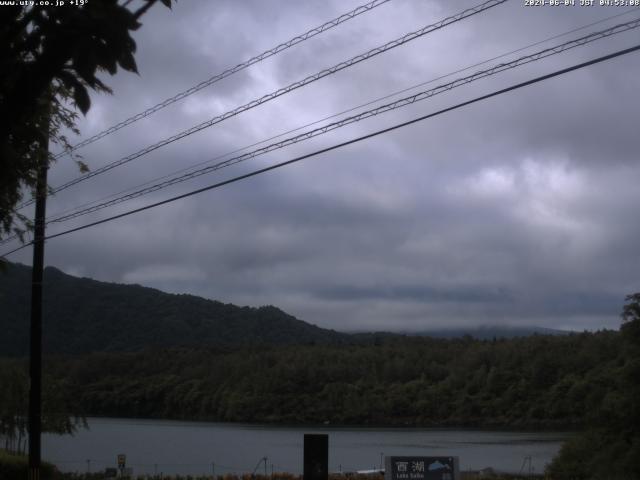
[{"x": 521, "y": 210}]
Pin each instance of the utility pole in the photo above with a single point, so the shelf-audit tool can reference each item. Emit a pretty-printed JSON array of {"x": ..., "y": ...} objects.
[{"x": 35, "y": 346}]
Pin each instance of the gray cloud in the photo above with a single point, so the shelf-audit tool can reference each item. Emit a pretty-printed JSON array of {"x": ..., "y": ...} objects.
[{"x": 517, "y": 210}]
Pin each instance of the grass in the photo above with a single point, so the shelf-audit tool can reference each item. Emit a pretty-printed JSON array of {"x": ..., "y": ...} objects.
[
  {"x": 15, "y": 467},
  {"x": 283, "y": 476}
]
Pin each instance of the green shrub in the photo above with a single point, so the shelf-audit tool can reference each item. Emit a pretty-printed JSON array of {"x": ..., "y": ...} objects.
[
  {"x": 597, "y": 455},
  {"x": 16, "y": 467}
]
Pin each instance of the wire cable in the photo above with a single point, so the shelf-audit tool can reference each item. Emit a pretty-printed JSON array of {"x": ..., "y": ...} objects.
[
  {"x": 620, "y": 28},
  {"x": 340, "y": 145},
  {"x": 367, "y": 7},
  {"x": 349, "y": 110},
  {"x": 282, "y": 91},
  {"x": 403, "y": 102}
]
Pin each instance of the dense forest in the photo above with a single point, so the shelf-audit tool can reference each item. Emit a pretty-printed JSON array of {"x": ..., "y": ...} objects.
[
  {"x": 586, "y": 382},
  {"x": 540, "y": 381},
  {"x": 83, "y": 315}
]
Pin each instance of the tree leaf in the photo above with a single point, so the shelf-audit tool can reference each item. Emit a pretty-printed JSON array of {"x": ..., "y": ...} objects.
[
  {"x": 81, "y": 97},
  {"x": 127, "y": 61},
  {"x": 69, "y": 80},
  {"x": 84, "y": 168}
]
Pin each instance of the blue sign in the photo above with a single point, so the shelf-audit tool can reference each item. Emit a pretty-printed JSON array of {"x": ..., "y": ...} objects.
[{"x": 421, "y": 468}]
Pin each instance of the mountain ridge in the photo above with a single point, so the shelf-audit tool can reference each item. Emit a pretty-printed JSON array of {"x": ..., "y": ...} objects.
[
  {"x": 112, "y": 317},
  {"x": 104, "y": 316}
]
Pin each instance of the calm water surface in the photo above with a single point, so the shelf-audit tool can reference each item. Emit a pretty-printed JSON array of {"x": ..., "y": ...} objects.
[{"x": 170, "y": 447}]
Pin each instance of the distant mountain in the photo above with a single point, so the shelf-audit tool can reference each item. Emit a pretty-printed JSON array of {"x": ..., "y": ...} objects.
[
  {"x": 83, "y": 315},
  {"x": 489, "y": 332},
  {"x": 481, "y": 332}
]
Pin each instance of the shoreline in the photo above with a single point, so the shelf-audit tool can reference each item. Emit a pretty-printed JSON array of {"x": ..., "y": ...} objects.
[
  {"x": 236, "y": 448},
  {"x": 560, "y": 429},
  {"x": 17, "y": 463}
]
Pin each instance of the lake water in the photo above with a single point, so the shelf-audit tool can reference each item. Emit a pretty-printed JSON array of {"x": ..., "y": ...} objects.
[{"x": 171, "y": 447}]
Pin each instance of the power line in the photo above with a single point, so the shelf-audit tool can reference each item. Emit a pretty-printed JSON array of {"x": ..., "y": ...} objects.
[
  {"x": 230, "y": 71},
  {"x": 282, "y": 91},
  {"x": 343, "y": 144},
  {"x": 359, "y": 117},
  {"x": 620, "y": 28},
  {"x": 370, "y": 102}
]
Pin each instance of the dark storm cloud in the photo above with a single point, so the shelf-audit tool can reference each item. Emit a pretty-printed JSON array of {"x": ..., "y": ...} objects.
[
  {"x": 473, "y": 294},
  {"x": 517, "y": 210}
]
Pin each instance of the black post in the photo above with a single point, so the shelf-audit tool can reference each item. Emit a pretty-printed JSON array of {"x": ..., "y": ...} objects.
[
  {"x": 35, "y": 352},
  {"x": 316, "y": 457}
]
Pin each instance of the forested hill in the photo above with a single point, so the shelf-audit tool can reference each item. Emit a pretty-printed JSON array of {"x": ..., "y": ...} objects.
[
  {"x": 83, "y": 315},
  {"x": 534, "y": 382}
]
